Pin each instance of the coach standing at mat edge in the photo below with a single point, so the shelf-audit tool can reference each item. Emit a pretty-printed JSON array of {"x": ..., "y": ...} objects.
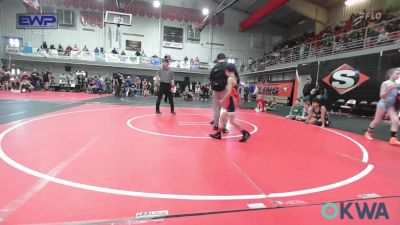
[
  {"x": 218, "y": 82},
  {"x": 166, "y": 83}
]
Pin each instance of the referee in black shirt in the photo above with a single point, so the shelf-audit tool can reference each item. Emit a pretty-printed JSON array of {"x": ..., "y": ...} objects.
[{"x": 166, "y": 82}]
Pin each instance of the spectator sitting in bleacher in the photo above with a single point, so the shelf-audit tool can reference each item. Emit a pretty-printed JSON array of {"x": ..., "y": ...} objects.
[
  {"x": 114, "y": 51},
  {"x": 197, "y": 91},
  {"x": 68, "y": 49},
  {"x": 14, "y": 82},
  {"x": 204, "y": 92},
  {"x": 85, "y": 49},
  {"x": 108, "y": 83},
  {"x": 271, "y": 105},
  {"x": 146, "y": 88},
  {"x": 44, "y": 46},
  {"x": 46, "y": 79},
  {"x": 35, "y": 77},
  {"x": 260, "y": 104},
  {"x": 102, "y": 50},
  {"x": 91, "y": 85},
  {"x": 75, "y": 48},
  {"x": 99, "y": 86},
  {"x": 6, "y": 79},
  {"x": 123, "y": 53},
  {"x": 2, "y": 75},
  {"x": 128, "y": 86},
  {"x": 24, "y": 84},
  {"x": 52, "y": 50},
  {"x": 60, "y": 49},
  {"x": 296, "y": 110},
  {"x": 246, "y": 93},
  {"x": 96, "y": 51},
  {"x": 137, "y": 52},
  {"x": 135, "y": 87},
  {"x": 318, "y": 114},
  {"x": 383, "y": 35},
  {"x": 251, "y": 90},
  {"x": 187, "y": 94}
]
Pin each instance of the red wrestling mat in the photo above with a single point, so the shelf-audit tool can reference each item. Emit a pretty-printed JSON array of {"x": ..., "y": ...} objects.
[{"x": 94, "y": 163}]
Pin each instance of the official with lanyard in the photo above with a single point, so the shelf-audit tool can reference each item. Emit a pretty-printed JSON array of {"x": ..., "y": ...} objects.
[{"x": 166, "y": 82}]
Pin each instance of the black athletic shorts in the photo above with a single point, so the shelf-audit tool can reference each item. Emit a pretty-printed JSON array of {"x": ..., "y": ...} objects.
[{"x": 231, "y": 106}]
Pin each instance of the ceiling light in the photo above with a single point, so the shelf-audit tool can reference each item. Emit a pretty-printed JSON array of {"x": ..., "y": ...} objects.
[
  {"x": 352, "y": 2},
  {"x": 205, "y": 11},
  {"x": 156, "y": 4}
]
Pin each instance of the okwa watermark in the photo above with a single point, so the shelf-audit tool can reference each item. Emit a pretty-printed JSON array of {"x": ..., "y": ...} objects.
[{"x": 355, "y": 210}]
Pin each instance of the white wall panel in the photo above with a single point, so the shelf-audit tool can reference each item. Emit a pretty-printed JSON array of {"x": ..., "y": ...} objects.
[{"x": 235, "y": 44}]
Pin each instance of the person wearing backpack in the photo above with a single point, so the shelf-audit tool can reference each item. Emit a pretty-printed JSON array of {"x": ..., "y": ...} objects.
[{"x": 218, "y": 81}]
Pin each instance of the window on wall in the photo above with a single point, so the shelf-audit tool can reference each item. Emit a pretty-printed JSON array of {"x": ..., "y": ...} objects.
[
  {"x": 66, "y": 18},
  {"x": 282, "y": 76}
]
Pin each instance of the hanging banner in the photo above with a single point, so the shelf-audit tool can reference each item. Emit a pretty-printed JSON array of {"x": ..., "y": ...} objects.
[
  {"x": 37, "y": 21},
  {"x": 345, "y": 78},
  {"x": 284, "y": 89},
  {"x": 133, "y": 45},
  {"x": 173, "y": 37}
]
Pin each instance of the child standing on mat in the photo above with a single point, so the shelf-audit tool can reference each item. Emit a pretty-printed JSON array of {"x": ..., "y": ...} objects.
[
  {"x": 387, "y": 104},
  {"x": 229, "y": 102}
]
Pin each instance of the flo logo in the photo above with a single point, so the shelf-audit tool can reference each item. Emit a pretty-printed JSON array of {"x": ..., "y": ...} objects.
[
  {"x": 345, "y": 79},
  {"x": 351, "y": 211}
]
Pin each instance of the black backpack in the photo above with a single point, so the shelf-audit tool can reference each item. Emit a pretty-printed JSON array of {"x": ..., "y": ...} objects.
[{"x": 218, "y": 79}]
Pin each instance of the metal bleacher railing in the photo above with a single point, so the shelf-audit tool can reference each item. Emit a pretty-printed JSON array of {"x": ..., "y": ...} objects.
[
  {"x": 365, "y": 38},
  {"x": 91, "y": 58}
]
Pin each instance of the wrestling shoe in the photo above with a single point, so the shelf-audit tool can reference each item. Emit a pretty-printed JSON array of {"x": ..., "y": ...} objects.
[
  {"x": 394, "y": 141},
  {"x": 225, "y": 130},
  {"x": 173, "y": 113},
  {"x": 216, "y": 136},
  {"x": 368, "y": 136},
  {"x": 246, "y": 136},
  {"x": 158, "y": 112}
]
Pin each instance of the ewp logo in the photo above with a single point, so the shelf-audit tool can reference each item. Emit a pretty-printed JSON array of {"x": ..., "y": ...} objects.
[
  {"x": 349, "y": 210},
  {"x": 37, "y": 21}
]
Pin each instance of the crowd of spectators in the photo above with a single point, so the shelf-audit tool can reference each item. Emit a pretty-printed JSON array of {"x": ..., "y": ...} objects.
[
  {"x": 361, "y": 30},
  {"x": 118, "y": 84},
  {"x": 24, "y": 81}
]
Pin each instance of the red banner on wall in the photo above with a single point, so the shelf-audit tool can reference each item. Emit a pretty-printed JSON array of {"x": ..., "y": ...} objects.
[
  {"x": 278, "y": 89},
  {"x": 141, "y": 8}
]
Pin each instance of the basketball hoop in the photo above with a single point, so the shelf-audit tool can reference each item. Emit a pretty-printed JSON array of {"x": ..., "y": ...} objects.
[
  {"x": 118, "y": 20},
  {"x": 122, "y": 5}
]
